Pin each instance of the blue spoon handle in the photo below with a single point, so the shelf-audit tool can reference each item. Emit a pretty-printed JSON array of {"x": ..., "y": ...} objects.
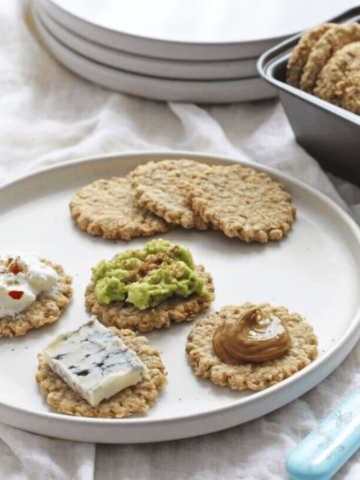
[{"x": 320, "y": 455}]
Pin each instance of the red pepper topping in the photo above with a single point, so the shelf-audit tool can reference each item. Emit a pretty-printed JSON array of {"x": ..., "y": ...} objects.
[
  {"x": 16, "y": 270},
  {"x": 16, "y": 295}
]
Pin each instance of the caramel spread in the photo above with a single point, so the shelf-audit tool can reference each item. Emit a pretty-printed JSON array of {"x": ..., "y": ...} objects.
[{"x": 255, "y": 336}]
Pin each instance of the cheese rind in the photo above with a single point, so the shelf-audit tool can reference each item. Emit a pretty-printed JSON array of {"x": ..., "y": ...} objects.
[{"x": 93, "y": 362}]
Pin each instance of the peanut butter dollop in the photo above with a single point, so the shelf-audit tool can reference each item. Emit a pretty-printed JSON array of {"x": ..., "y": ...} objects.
[{"x": 255, "y": 336}]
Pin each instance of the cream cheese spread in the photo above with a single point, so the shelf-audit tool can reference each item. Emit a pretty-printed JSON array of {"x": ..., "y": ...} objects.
[
  {"x": 23, "y": 277},
  {"x": 94, "y": 362}
]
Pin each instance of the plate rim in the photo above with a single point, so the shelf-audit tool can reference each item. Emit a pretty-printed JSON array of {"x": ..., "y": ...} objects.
[
  {"x": 335, "y": 352},
  {"x": 170, "y": 90},
  {"x": 145, "y": 65},
  {"x": 146, "y": 45}
]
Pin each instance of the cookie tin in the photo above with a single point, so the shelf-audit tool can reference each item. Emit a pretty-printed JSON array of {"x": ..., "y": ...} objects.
[{"x": 327, "y": 132}]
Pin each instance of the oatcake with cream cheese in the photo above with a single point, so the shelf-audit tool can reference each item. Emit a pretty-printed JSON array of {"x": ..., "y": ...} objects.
[{"x": 46, "y": 309}]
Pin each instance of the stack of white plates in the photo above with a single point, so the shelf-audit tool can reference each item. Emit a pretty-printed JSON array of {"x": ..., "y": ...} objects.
[{"x": 202, "y": 51}]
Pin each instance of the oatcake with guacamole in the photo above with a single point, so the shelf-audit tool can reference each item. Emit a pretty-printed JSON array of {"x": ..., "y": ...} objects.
[{"x": 148, "y": 288}]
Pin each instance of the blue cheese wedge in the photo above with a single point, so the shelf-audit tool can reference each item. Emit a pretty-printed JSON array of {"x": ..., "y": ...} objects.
[{"x": 93, "y": 362}]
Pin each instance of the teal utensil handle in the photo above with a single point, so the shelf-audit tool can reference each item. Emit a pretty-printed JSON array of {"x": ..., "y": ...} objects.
[{"x": 320, "y": 455}]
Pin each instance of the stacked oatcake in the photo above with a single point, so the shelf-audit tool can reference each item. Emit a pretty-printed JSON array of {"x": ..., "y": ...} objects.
[
  {"x": 158, "y": 196},
  {"x": 326, "y": 63}
]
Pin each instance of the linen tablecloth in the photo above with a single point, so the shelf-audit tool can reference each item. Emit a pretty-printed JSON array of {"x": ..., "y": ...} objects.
[{"x": 47, "y": 116}]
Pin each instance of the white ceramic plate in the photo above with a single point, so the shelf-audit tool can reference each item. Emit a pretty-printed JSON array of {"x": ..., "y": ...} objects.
[
  {"x": 195, "y": 70},
  {"x": 192, "y": 30},
  {"x": 156, "y": 88},
  {"x": 314, "y": 271}
]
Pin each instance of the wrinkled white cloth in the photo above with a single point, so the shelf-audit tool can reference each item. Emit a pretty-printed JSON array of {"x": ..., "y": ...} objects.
[{"x": 47, "y": 116}]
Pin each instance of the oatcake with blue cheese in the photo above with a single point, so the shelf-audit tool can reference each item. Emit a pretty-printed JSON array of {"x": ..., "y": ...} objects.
[{"x": 95, "y": 362}]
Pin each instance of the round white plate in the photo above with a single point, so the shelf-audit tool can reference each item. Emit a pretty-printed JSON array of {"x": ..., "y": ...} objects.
[
  {"x": 314, "y": 271},
  {"x": 192, "y": 30},
  {"x": 156, "y": 88},
  {"x": 177, "y": 69}
]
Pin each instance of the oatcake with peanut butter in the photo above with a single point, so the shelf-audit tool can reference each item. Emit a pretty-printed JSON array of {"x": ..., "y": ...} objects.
[
  {"x": 241, "y": 202},
  {"x": 134, "y": 399},
  {"x": 162, "y": 187},
  {"x": 108, "y": 208},
  {"x": 254, "y": 376}
]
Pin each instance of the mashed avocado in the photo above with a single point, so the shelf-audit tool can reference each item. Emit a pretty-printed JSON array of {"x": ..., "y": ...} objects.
[{"x": 147, "y": 277}]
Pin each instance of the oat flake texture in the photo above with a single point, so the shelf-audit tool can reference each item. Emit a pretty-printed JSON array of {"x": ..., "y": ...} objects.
[
  {"x": 254, "y": 376},
  {"x": 331, "y": 83},
  {"x": 45, "y": 309},
  {"x": 333, "y": 40},
  {"x": 162, "y": 187},
  {"x": 301, "y": 53},
  {"x": 135, "y": 399},
  {"x": 241, "y": 202},
  {"x": 108, "y": 208}
]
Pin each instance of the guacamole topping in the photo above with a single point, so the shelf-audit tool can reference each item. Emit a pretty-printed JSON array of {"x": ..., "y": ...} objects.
[{"x": 147, "y": 277}]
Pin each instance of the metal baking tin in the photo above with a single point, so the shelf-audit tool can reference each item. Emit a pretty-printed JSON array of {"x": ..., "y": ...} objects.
[{"x": 327, "y": 132}]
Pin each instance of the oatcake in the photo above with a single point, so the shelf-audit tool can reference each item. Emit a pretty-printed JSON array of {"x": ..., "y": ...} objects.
[
  {"x": 331, "y": 41},
  {"x": 254, "y": 376},
  {"x": 135, "y": 399},
  {"x": 125, "y": 315},
  {"x": 241, "y": 202},
  {"x": 339, "y": 66},
  {"x": 348, "y": 89},
  {"x": 301, "y": 53},
  {"x": 47, "y": 308},
  {"x": 108, "y": 208},
  {"x": 162, "y": 186}
]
